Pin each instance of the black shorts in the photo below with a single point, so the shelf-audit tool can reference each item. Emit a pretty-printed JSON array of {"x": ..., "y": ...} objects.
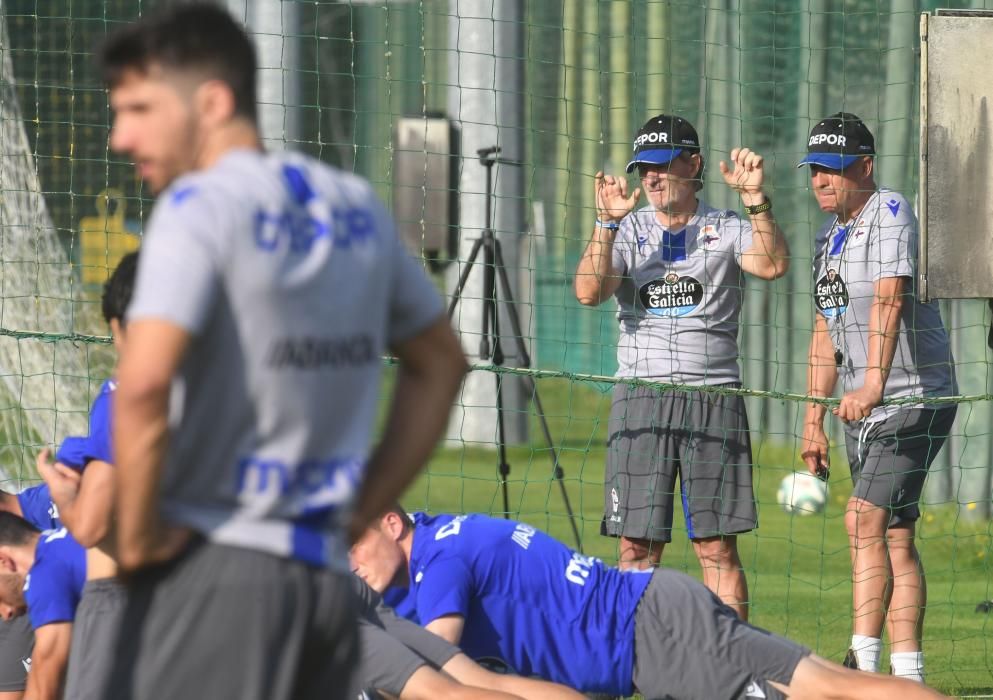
[
  {"x": 890, "y": 459},
  {"x": 229, "y": 623},
  {"x": 689, "y": 645},
  {"x": 656, "y": 435},
  {"x": 16, "y": 645}
]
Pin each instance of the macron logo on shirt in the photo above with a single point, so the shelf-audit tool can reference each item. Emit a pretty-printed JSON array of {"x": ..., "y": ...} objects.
[{"x": 754, "y": 691}]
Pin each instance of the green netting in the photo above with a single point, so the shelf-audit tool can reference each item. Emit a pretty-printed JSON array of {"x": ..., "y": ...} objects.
[{"x": 590, "y": 72}]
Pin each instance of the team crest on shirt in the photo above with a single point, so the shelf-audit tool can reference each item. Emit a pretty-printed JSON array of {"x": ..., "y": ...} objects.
[
  {"x": 831, "y": 294},
  {"x": 672, "y": 295},
  {"x": 709, "y": 237}
]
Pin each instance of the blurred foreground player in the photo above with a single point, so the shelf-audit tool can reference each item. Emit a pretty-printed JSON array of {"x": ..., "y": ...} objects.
[{"x": 269, "y": 288}]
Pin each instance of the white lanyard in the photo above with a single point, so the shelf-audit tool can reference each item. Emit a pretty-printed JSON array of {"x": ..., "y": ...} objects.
[{"x": 836, "y": 328}]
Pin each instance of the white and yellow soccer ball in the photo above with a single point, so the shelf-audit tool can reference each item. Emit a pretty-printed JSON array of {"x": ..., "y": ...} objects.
[{"x": 802, "y": 493}]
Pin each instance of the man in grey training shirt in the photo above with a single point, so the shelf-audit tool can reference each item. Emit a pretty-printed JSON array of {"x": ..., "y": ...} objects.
[
  {"x": 676, "y": 268},
  {"x": 269, "y": 287},
  {"x": 872, "y": 331}
]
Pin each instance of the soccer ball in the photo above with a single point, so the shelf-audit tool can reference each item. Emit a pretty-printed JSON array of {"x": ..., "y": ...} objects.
[{"x": 802, "y": 493}]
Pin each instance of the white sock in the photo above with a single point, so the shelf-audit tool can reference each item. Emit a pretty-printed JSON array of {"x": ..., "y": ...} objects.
[
  {"x": 867, "y": 650},
  {"x": 908, "y": 664}
]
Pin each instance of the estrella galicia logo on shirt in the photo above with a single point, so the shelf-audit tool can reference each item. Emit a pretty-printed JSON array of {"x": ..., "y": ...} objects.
[
  {"x": 831, "y": 294},
  {"x": 671, "y": 296}
]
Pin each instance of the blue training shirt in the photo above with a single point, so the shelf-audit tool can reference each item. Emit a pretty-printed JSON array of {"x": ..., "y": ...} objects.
[
  {"x": 527, "y": 600},
  {"x": 54, "y": 584},
  {"x": 77, "y": 452},
  {"x": 38, "y": 508}
]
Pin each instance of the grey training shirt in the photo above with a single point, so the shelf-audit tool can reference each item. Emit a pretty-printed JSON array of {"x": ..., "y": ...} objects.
[
  {"x": 289, "y": 277},
  {"x": 880, "y": 243},
  {"x": 680, "y": 296}
]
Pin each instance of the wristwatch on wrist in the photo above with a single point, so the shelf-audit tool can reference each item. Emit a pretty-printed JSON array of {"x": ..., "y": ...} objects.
[{"x": 759, "y": 208}]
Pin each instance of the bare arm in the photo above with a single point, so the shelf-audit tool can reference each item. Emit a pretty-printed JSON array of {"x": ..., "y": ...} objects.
[
  {"x": 431, "y": 369},
  {"x": 822, "y": 375},
  {"x": 85, "y": 501},
  {"x": 428, "y": 684},
  {"x": 468, "y": 672},
  {"x": 448, "y": 627},
  {"x": 48, "y": 662},
  {"x": 596, "y": 279},
  {"x": 884, "y": 331},
  {"x": 768, "y": 257},
  {"x": 141, "y": 432}
]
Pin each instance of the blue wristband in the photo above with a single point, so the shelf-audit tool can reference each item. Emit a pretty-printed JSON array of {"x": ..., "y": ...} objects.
[{"x": 609, "y": 225}]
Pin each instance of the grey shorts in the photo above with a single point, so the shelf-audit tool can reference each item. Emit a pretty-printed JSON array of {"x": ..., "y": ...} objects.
[
  {"x": 384, "y": 662},
  {"x": 700, "y": 436},
  {"x": 228, "y": 623},
  {"x": 890, "y": 459},
  {"x": 16, "y": 645},
  {"x": 391, "y": 649},
  {"x": 94, "y": 638},
  {"x": 687, "y": 644}
]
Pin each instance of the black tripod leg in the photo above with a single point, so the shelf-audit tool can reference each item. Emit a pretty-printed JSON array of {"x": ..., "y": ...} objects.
[
  {"x": 556, "y": 467},
  {"x": 515, "y": 325},
  {"x": 502, "y": 443},
  {"x": 460, "y": 287},
  {"x": 490, "y": 309}
]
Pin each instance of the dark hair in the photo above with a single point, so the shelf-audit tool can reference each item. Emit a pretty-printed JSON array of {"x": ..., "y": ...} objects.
[
  {"x": 15, "y": 530},
  {"x": 404, "y": 516},
  {"x": 118, "y": 288},
  {"x": 194, "y": 36}
]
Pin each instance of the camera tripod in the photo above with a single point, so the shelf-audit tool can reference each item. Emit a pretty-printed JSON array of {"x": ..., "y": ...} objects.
[{"x": 490, "y": 345}]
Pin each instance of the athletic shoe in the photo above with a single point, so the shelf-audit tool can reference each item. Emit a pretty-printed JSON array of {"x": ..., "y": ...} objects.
[{"x": 851, "y": 661}]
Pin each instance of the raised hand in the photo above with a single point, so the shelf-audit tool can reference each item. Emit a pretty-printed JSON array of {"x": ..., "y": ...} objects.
[
  {"x": 746, "y": 174},
  {"x": 62, "y": 481},
  {"x": 612, "y": 200}
]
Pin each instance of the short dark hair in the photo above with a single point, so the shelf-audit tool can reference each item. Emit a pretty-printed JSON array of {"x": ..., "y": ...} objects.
[
  {"x": 188, "y": 36},
  {"x": 15, "y": 530},
  {"x": 118, "y": 288},
  {"x": 398, "y": 509}
]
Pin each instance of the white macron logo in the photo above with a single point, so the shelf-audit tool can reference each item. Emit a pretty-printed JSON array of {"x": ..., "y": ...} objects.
[
  {"x": 829, "y": 139},
  {"x": 754, "y": 691}
]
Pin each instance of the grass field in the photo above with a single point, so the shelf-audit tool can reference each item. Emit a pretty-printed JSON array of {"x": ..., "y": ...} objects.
[{"x": 797, "y": 567}]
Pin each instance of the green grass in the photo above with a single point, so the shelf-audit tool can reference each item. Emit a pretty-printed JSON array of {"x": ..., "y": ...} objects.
[{"x": 797, "y": 567}]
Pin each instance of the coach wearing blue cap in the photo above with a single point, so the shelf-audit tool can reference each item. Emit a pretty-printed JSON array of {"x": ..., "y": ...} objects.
[
  {"x": 675, "y": 268},
  {"x": 872, "y": 331}
]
